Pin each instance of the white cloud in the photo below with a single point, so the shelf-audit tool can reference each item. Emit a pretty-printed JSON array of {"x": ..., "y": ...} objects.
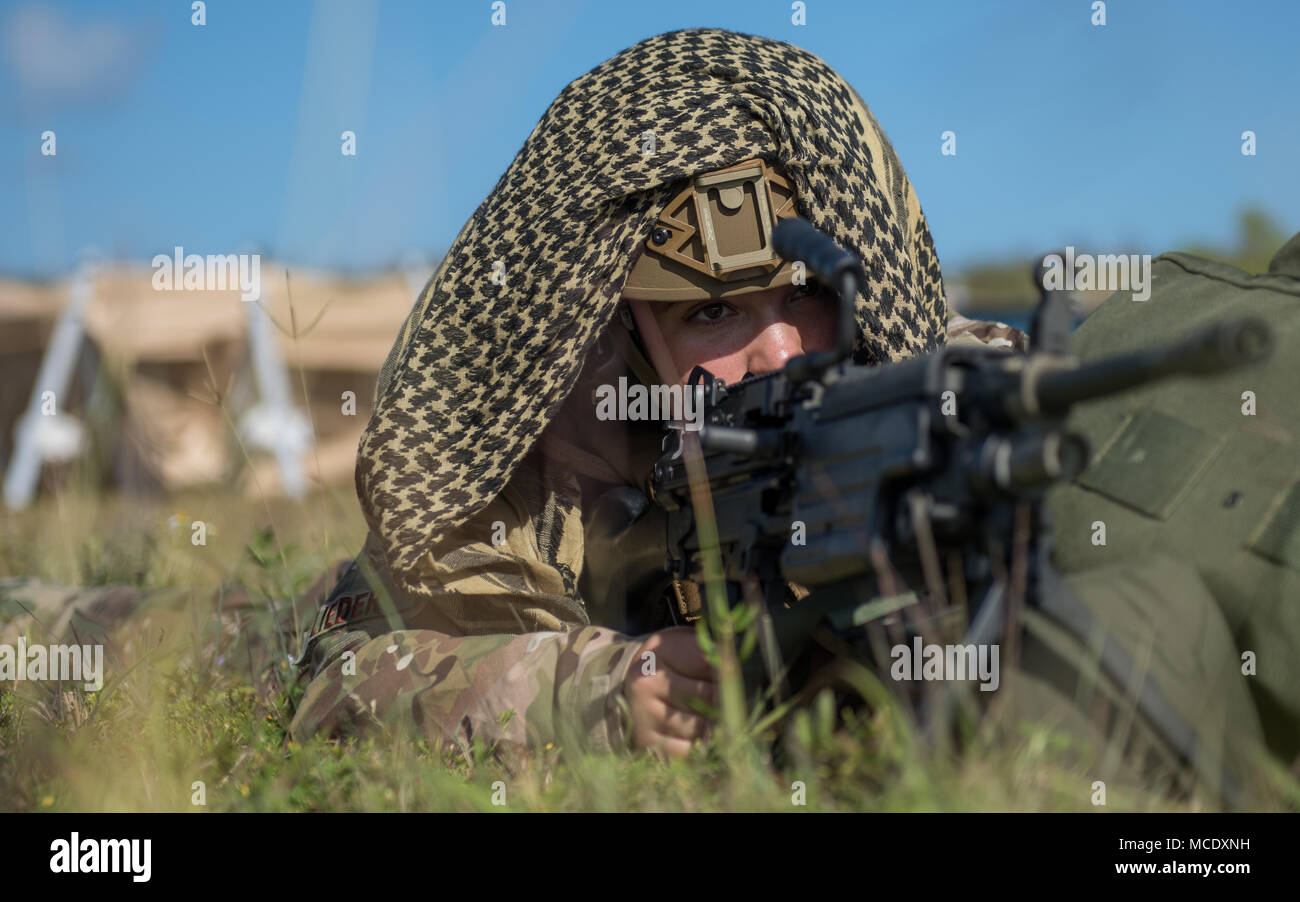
[{"x": 59, "y": 59}]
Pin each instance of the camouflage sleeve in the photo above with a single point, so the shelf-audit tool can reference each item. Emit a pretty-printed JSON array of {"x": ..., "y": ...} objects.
[
  {"x": 989, "y": 333},
  {"x": 498, "y": 644},
  {"x": 514, "y": 693}
]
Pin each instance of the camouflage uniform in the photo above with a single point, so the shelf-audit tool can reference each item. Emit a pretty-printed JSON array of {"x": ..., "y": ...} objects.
[
  {"x": 992, "y": 334},
  {"x": 505, "y": 634},
  {"x": 506, "y": 637}
]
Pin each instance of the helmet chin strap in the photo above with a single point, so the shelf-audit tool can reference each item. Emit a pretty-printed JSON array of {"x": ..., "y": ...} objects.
[{"x": 628, "y": 342}]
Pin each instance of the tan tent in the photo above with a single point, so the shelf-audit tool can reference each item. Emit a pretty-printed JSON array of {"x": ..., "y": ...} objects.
[{"x": 178, "y": 369}]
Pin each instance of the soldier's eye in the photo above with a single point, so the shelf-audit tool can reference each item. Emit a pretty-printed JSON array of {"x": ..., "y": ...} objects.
[{"x": 711, "y": 312}]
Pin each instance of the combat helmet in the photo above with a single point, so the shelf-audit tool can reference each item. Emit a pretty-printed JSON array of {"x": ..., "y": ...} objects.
[{"x": 714, "y": 238}]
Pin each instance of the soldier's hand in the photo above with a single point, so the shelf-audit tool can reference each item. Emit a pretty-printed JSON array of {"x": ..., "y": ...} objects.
[{"x": 661, "y": 716}]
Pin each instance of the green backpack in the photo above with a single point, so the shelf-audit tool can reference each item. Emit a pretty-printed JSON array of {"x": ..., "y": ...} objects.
[{"x": 1182, "y": 541}]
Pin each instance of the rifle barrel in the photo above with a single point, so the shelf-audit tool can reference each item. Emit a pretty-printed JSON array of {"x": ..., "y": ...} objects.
[{"x": 1211, "y": 350}]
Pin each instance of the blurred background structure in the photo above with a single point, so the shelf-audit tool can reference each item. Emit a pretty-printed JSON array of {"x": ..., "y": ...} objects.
[
  {"x": 162, "y": 390},
  {"x": 334, "y": 138}
]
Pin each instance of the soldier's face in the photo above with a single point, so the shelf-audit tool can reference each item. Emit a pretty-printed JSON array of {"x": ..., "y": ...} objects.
[{"x": 753, "y": 333}]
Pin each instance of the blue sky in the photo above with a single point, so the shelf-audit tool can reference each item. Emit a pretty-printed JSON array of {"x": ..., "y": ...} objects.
[{"x": 225, "y": 138}]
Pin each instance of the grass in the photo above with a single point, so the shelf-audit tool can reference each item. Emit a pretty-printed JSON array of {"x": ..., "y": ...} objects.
[{"x": 181, "y": 718}]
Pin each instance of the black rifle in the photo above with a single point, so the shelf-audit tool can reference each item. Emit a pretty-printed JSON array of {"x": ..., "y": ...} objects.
[{"x": 885, "y": 489}]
